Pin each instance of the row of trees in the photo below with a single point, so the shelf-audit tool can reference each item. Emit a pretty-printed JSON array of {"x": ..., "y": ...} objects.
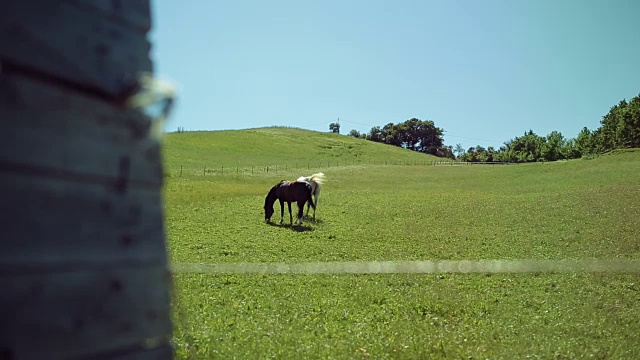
[
  {"x": 414, "y": 134},
  {"x": 527, "y": 148},
  {"x": 619, "y": 128}
]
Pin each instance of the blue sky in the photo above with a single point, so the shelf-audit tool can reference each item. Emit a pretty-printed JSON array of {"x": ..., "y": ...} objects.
[{"x": 483, "y": 70}]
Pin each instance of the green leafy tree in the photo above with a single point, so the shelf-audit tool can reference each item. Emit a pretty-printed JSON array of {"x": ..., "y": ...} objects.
[
  {"x": 585, "y": 142},
  {"x": 612, "y": 128},
  {"x": 491, "y": 154},
  {"x": 481, "y": 154},
  {"x": 501, "y": 155},
  {"x": 375, "y": 134},
  {"x": 355, "y": 133},
  {"x": 552, "y": 148},
  {"x": 570, "y": 149},
  {"x": 447, "y": 152},
  {"x": 620, "y": 127},
  {"x": 527, "y": 148},
  {"x": 390, "y": 134},
  {"x": 632, "y": 120},
  {"x": 334, "y": 128},
  {"x": 471, "y": 155},
  {"x": 459, "y": 150},
  {"x": 413, "y": 134}
]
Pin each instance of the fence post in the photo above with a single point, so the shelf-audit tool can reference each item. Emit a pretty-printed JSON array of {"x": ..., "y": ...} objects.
[
  {"x": 267, "y": 169},
  {"x": 180, "y": 170},
  {"x": 94, "y": 273},
  {"x": 204, "y": 172}
]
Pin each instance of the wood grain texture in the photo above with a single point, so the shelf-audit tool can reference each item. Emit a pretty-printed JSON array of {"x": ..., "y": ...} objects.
[
  {"x": 83, "y": 313},
  {"x": 134, "y": 13},
  {"x": 83, "y": 263},
  {"x": 154, "y": 353},
  {"x": 79, "y": 45},
  {"x": 64, "y": 132},
  {"x": 52, "y": 225}
]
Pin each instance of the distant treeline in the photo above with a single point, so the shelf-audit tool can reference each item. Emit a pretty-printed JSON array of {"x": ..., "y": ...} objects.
[
  {"x": 620, "y": 128},
  {"x": 414, "y": 134}
]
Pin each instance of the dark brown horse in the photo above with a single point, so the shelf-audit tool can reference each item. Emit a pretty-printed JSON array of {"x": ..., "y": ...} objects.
[{"x": 288, "y": 191}]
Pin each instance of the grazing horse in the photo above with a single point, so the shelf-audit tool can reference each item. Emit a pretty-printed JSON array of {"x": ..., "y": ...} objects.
[
  {"x": 316, "y": 181},
  {"x": 287, "y": 191}
]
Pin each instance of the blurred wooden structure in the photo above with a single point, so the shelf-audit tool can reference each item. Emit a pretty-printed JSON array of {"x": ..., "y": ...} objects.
[{"x": 83, "y": 263}]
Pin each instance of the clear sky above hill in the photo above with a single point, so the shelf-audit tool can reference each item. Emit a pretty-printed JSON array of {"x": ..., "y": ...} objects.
[{"x": 483, "y": 70}]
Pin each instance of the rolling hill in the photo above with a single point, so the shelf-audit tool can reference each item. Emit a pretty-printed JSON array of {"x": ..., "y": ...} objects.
[{"x": 277, "y": 146}]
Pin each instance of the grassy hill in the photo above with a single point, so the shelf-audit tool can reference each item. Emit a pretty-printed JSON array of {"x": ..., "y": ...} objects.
[
  {"x": 580, "y": 209},
  {"x": 285, "y": 147}
]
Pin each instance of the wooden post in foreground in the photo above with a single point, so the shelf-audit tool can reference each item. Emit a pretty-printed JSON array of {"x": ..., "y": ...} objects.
[{"x": 83, "y": 262}]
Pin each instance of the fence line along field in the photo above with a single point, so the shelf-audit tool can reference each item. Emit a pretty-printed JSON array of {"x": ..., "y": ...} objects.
[
  {"x": 333, "y": 151},
  {"x": 578, "y": 211}
]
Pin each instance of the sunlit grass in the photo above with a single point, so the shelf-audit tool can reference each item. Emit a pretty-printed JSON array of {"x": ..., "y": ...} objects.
[
  {"x": 250, "y": 152},
  {"x": 567, "y": 210}
]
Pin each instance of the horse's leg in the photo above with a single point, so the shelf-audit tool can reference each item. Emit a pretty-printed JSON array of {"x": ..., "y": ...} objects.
[
  {"x": 290, "y": 216},
  {"x": 281, "y": 211},
  {"x": 301, "y": 210},
  {"x": 309, "y": 203},
  {"x": 315, "y": 205}
]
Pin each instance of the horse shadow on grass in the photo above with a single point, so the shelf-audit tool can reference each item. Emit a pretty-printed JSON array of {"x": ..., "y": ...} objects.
[
  {"x": 310, "y": 219},
  {"x": 294, "y": 227}
]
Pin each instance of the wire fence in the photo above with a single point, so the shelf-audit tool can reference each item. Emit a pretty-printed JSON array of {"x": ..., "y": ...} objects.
[{"x": 221, "y": 170}]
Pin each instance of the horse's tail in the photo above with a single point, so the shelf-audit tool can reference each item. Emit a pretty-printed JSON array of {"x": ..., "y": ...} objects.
[
  {"x": 310, "y": 195},
  {"x": 317, "y": 179}
]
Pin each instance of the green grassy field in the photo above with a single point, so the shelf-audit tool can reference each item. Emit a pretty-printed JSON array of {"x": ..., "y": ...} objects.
[
  {"x": 280, "y": 149},
  {"x": 581, "y": 209}
]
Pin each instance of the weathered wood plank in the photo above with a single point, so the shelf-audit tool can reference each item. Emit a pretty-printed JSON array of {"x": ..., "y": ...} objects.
[
  {"x": 163, "y": 352},
  {"x": 80, "y": 314},
  {"x": 67, "y": 132},
  {"x": 75, "y": 44},
  {"x": 136, "y": 13},
  {"x": 83, "y": 266},
  {"x": 60, "y": 225}
]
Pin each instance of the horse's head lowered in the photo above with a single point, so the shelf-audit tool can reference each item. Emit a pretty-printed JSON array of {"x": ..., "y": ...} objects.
[
  {"x": 287, "y": 191},
  {"x": 268, "y": 203},
  {"x": 268, "y": 213}
]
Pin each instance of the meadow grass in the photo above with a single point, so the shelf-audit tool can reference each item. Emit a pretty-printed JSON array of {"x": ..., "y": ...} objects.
[
  {"x": 581, "y": 209},
  {"x": 250, "y": 152}
]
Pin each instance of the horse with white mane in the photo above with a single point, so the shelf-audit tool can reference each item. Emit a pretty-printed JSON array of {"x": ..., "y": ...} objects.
[
  {"x": 316, "y": 180},
  {"x": 287, "y": 191}
]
